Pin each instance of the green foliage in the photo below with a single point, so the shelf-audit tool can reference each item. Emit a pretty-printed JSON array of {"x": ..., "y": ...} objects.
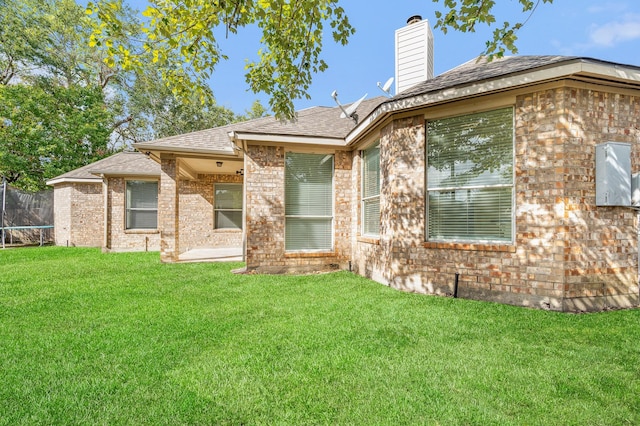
[
  {"x": 465, "y": 15},
  {"x": 92, "y": 338},
  {"x": 157, "y": 113},
  {"x": 47, "y": 130},
  {"x": 292, "y": 39},
  {"x": 46, "y": 52},
  {"x": 257, "y": 110}
]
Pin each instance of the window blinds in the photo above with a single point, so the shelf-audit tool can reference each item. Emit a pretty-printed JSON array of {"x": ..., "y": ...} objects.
[
  {"x": 470, "y": 177},
  {"x": 141, "y": 204},
  {"x": 228, "y": 206},
  {"x": 371, "y": 191},
  {"x": 308, "y": 201}
]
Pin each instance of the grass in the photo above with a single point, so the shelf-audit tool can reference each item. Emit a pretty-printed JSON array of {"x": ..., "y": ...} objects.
[{"x": 92, "y": 338}]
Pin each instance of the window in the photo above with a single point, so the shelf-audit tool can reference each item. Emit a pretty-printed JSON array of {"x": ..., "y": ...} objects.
[
  {"x": 141, "y": 204},
  {"x": 371, "y": 190},
  {"x": 470, "y": 177},
  {"x": 308, "y": 202},
  {"x": 228, "y": 206}
]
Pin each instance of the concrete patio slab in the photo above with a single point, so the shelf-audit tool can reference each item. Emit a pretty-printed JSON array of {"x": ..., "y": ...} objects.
[{"x": 224, "y": 254}]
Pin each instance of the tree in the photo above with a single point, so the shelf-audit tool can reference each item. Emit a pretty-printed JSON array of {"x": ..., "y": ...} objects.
[
  {"x": 44, "y": 45},
  {"x": 465, "y": 15},
  {"x": 292, "y": 39},
  {"x": 257, "y": 110},
  {"x": 157, "y": 113},
  {"x": 47, "y": 130}
]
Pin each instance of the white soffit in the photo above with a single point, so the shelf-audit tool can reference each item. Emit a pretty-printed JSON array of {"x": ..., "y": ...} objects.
[{"x": 289, "y": 139}]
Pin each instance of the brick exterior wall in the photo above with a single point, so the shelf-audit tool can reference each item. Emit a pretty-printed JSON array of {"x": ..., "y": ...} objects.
[
  {"x": 568, "y": 254},
  {"x": 62, "y": 213},
  {"x": 197, "y": 214},
  {"x": 265, "y": 213},
  {"x": 118, "y": 237},
  {"x": 168, "y": 210},
  {"x": 78, "y": 214}
]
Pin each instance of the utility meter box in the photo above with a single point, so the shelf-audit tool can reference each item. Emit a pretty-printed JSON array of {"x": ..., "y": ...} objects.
[
  {"x": 635, "y": 189},
  {"x": 613, "y": 174}
]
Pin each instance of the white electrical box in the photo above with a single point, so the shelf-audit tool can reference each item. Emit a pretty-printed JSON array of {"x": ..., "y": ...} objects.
[
  {"x": 613, "y": 174},
  {"x": 635, "y": 189}
]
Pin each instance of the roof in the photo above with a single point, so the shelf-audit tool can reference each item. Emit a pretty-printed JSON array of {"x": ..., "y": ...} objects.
[
  {"x": 316, "y": 122},
  {"x": 127, "y": 163},
  {"x": 479, "y": 77},
  {"x": 479, "y": 69}
]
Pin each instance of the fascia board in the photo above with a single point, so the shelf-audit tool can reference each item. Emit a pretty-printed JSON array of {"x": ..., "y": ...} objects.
[
  {"x": 289, "y": 139},
  {"x": 142, "y": 147},
  {"x": 495, "y": 85},
  {"x": 56, "y": 181}
]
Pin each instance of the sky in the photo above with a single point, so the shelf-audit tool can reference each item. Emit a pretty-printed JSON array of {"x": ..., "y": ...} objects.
[{"x": 602, "y": 29}]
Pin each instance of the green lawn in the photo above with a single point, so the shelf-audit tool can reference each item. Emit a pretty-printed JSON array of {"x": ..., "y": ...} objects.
[{"x": 92, "y": 338}]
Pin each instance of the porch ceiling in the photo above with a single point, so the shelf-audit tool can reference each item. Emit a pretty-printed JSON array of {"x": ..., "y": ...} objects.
[{"x": 190, "y": 166}]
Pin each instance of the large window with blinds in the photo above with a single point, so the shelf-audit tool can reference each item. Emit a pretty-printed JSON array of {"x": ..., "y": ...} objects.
[
  {"x": 227, "y": 205},
  {"x": 470, "y": 177},
  {"x": 141, "y": 204},
  {"x": 308, "y": 202},
  {"x": 371, "y": 190}
]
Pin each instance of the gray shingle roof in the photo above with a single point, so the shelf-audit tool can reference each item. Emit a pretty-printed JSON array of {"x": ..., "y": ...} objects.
[
  {"x": 477, "y": 70},
  {"x": 120, "y": 164},
  {"x": 325, "y": 122},
  {"x": 320, "y": 122}
]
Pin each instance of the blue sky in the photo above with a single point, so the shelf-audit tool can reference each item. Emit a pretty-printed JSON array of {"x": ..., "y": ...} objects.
[{"x": 607, "y": 30}]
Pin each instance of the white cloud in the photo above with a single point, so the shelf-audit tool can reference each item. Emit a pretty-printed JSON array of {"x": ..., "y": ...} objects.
[{"x": 615, "y": 32}]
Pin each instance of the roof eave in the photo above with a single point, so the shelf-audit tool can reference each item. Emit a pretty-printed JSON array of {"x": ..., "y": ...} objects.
[
  {"x": 106, "y": 173},
  {"x": 144, "y": 147},
  {"x": 286, "y": 139},
  {"x": 506, "y": 82},
  {"x": 58, "y": 180}
]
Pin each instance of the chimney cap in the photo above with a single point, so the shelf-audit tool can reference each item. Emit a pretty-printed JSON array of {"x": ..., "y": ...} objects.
[{"x": 414, "y": 19}]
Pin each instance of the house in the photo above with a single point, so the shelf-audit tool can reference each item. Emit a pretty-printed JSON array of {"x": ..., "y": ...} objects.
[
  {"x": 111, "y": 203},
  {"x": 485, "y": 181}
]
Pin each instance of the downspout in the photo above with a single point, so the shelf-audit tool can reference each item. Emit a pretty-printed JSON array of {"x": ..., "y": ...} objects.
[
  {"x": 638, "y": 249},
  {"x": 105, "y": 204}
]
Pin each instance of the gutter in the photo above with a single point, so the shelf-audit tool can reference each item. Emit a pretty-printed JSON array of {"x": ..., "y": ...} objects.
[
  {"x": 56, "y": 181},
  {"x": 507, "y": 82},
  {"x": 236, "y": 136}
]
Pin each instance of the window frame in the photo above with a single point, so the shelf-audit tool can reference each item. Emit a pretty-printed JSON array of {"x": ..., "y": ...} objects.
[
  {"x": 364, "y": 199},
  {"x": 311, "y": 217},
  {"x": 453, "y": 189},
  {"x": 216, "y": 210},
  {"x": 128, "y": 210}
]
